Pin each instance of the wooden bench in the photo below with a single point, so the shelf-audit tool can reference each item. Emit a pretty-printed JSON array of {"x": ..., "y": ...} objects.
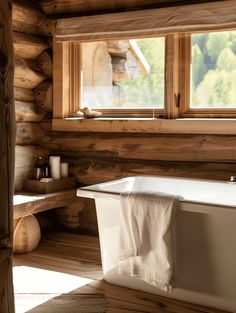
[{"x": 26, "y": 203}]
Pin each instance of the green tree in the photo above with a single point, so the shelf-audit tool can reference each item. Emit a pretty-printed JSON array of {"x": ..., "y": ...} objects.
[
  {"x": 221, "y": 89},
  {"x": 198, "y": 65},
  {"x": 200, "y": 40},
  {"x": 147, "y": 90},
  {"x": 217, "y": 87},
  {"x": 226, "y": 60},
  {"x": 233, "y": 41},
  {"x": 202, "y": 93},
  {"x": 215, "y": 44}
]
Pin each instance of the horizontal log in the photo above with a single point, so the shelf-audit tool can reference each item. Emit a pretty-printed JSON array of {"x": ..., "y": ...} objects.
[
  {"x": 127, "y": 25},
  {"x": 27, "y": 74},
  {"x": 46, "y": 125},
  {"x": 44, "y": 62},
  {"x": 28, "y": 18},
  {"x": 158, "y": 147},
  {"x": 92, "y": 171},
  {"x": 28, "y": 46},
  {"x": 51, "y": 7},
  {"x": 26, "y": 157},
  {"x": 43, "y": 95},
  {"x": 69, "y": 216},
  {"x": 30, "y": 134},
  {"x": 23, "y": 94},
  {"x": 28, "y": 112}
]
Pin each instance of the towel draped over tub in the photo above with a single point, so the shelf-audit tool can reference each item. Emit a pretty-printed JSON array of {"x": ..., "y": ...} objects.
[{"x": 146, "y": 243}]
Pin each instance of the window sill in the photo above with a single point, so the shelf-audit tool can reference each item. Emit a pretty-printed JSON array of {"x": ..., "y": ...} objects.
[{"x": 148, "y": 125}]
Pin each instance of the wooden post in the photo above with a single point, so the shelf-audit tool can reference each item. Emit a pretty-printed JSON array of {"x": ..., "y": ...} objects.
[{"x": 7, "y": 155}]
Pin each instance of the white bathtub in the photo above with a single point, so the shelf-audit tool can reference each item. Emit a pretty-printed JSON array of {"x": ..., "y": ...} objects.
[{"x": 205, "y": 236}]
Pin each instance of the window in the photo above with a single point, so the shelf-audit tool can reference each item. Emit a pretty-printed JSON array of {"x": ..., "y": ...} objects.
[
  {"x": 209, "y": 80},
  {"x": 181, "y": 75},
  {"x": 195, "y": 64},
  {"x": 123, "y": 77}
]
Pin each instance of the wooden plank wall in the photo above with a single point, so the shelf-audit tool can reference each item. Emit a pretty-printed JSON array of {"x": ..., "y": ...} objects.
[{"x": 32, "y": 84}]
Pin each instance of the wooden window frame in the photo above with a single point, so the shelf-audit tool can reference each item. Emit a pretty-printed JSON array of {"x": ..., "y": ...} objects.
[
  {"x": 187, "y": 19},
  {"x": 68, "y": 79},
  {"x": 67, "y": 83},
  {"x": 185, "y": 85}
]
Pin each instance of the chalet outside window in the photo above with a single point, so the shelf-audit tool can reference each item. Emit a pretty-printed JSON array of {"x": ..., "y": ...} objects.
[{"x": 123, "y": 77}]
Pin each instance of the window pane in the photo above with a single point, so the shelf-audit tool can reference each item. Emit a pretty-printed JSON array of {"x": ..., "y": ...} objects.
[
  {"x": 213, "y": 70},
  {"x": 123, "y": 74}
]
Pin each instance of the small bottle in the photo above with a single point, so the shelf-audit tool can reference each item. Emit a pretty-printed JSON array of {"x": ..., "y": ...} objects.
[
  {"x": 46, "y": 169},
  {"x": 39, "y": 168}
]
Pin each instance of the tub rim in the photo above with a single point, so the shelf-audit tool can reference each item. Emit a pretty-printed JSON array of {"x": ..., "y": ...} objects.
[{"x": 94, "y": 192}]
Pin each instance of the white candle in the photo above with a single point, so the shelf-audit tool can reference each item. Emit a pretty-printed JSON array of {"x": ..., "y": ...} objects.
[
  {"x": 54, "y": 162},
  {"x": 64, "y": 169}
]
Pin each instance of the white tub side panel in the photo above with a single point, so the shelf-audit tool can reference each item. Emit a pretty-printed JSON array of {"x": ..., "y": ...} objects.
[{"x": 205, "y": 256}]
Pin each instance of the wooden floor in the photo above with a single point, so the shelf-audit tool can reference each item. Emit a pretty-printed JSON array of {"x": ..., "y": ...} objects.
[{"x": 71, "y": 257}]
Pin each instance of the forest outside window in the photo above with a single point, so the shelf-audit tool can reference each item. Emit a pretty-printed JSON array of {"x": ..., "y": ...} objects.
[{"x": 209, "y": 80}]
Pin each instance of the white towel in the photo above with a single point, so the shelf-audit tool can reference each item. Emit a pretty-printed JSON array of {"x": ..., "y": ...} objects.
[{"x": 146, "y": 250}]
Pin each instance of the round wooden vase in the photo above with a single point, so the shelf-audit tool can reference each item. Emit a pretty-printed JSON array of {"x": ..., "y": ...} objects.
[{"x": 26, "y": 235}]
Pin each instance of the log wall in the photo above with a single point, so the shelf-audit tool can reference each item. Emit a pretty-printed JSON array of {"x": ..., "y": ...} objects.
[
  {"x": 32, "y": 85},
  {"x": 99, "y": 157},
  {"x": 7, "y": 155}
]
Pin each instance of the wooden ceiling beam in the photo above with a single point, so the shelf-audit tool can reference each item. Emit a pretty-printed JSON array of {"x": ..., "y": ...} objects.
[
  {"x": 59, "y": 7},
  {"x": 187, "y": 18}
]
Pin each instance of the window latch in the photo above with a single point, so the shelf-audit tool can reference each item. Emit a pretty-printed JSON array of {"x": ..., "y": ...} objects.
[{"x": 178, "y": 100}]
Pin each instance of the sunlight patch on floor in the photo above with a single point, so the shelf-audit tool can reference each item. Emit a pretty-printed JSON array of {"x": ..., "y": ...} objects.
[{"x": 34, "y": 286}]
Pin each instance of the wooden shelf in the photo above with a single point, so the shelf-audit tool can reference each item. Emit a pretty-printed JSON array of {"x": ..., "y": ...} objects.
[
  {"x": 26, "y": 203},
  {"x": 49, "y": 187}
]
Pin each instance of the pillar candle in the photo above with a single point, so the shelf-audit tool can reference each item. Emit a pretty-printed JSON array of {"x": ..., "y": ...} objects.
[
  {"x": 54, "y": 162},
  {"x": 64, "y": 169}
]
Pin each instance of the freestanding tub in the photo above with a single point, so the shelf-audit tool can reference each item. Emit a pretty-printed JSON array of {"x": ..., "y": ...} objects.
[{"x": 205, "y": 236}]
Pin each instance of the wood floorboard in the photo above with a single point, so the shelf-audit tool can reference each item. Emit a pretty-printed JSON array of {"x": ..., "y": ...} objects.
[
  {"x": 66, "y": 252},
  {"x": 79, "y": 255},
  {"x": 73, "y": 304},
  {"x": 147, "y": 302}
]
